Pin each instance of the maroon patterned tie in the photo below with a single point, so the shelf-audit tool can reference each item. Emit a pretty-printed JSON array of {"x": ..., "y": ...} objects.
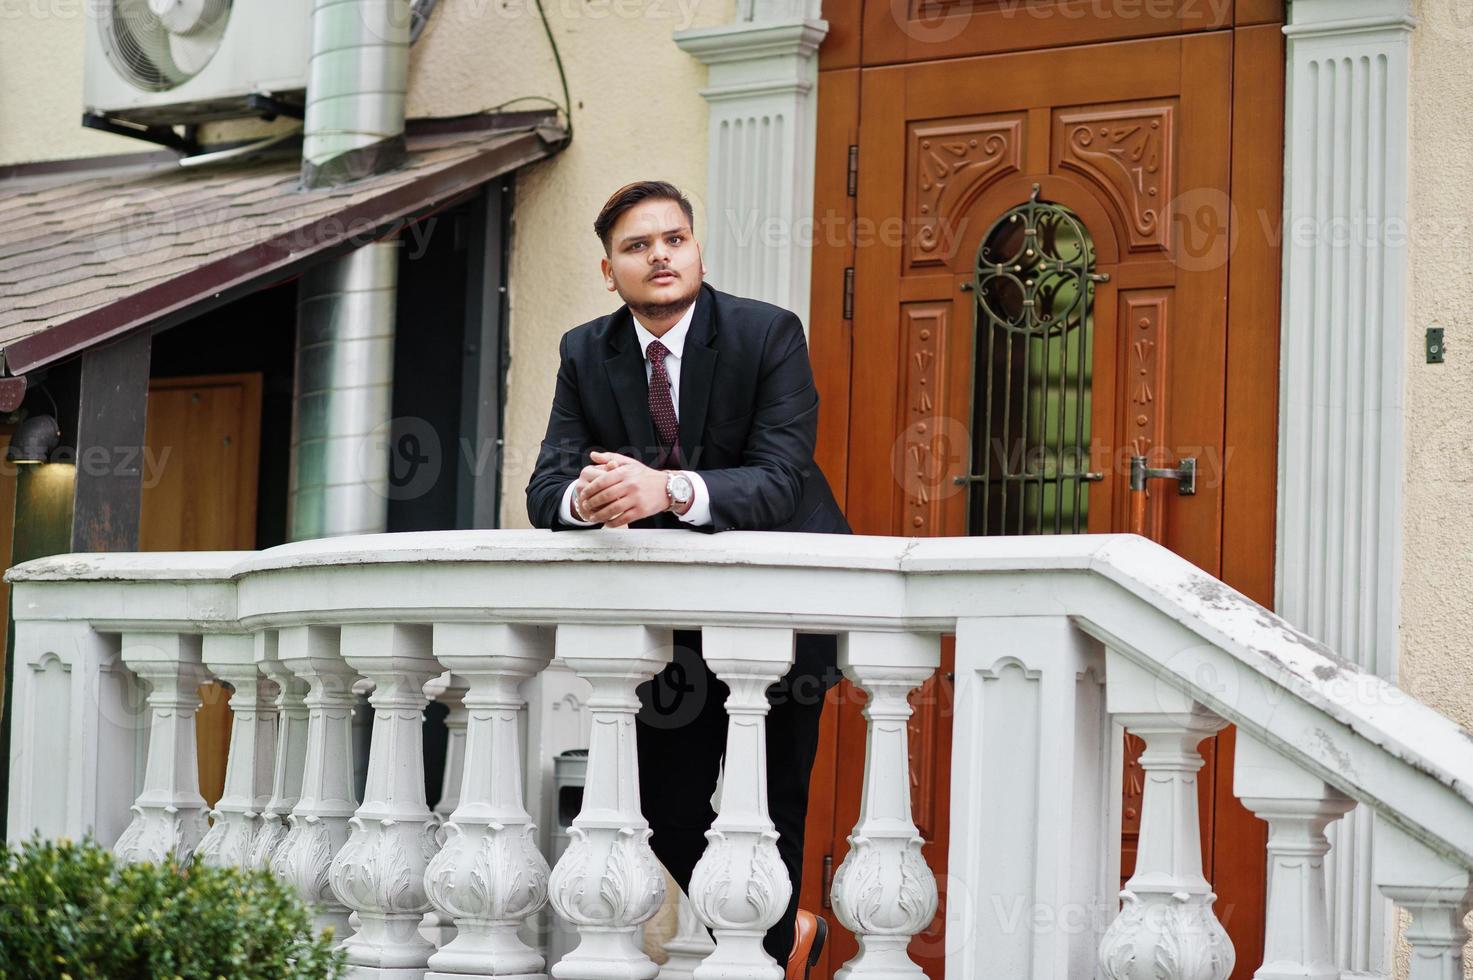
[{"x": 662, "y": 408}]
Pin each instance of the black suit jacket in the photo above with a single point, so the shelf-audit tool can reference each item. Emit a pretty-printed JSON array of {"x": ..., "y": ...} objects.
[{"x": 748, "y": 417}]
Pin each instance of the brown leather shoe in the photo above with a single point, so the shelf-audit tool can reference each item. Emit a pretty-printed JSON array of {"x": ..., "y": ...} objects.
[{"x": 809, "y": 932}]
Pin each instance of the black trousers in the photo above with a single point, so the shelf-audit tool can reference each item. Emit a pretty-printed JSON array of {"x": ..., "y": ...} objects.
[{"x": 681, "y": 728}]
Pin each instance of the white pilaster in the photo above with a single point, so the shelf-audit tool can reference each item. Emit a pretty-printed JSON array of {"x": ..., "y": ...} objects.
[
  {"x": 169, "y": 815},
  {"x": 740, "y": 886},
  {"x": 759, "y": 190},
  {"x": 489, "y": 876},
  {"x": 1341, "y": 364},
  {"x": 380, "y": 870},
  {"x": 1166, "y": 926},
  {"x": 608, "y": 881},
  {"x": 884, "y": 892},
  {"x": 238, "y": 814}
]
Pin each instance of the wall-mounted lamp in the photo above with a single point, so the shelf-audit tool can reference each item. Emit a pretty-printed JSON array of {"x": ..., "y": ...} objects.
[{"x": 34, "y": 440}]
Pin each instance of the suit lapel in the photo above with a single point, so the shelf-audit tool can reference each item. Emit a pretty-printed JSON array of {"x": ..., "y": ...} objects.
[
  {"x": 626, "y": 377},
  {"x": 697, "y": 371}
]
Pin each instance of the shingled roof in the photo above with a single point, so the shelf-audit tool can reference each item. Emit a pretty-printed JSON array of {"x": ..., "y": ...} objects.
[{"x": 87, "y": 255}]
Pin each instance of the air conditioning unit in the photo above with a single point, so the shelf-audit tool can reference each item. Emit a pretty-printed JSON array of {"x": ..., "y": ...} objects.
[{"x": 167, "y": 62}]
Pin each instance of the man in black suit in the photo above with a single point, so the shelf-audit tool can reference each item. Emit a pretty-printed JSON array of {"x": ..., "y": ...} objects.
[{"x": 691, "y": 408}]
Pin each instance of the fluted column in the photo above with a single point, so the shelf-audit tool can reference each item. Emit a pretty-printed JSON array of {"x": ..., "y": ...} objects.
[
  {"x": 761, "y": 91},
  {"x": 608, "y": 881},
  {"x": 289, "y": 757},
  {"x": 489, "y": 876},
  {"x": 1342, "y": 361},
  {"x": 169, "y": 815},
  {"x": 237, "y": 816},
  {"x": 380, "y": 870},
  {"x": 318, "y": 826},
  {"x": 1298, "y": 807},
  {"x": 740, "y": 886},
  {"x": 1436, "y": 891},
  {"x": 1166, "y": 927},
  {"x": 883, "y": 891}
]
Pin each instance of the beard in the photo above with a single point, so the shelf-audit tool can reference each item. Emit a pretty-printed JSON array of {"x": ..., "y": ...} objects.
[{"x": 664, "y": 308}]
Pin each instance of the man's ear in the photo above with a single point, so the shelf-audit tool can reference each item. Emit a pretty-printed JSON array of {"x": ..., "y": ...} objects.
[{"x": 607, "y": 269}]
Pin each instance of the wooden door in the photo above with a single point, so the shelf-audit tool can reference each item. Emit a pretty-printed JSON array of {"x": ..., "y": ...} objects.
[
  {"x": 202, "y": 450},
  {"x": 1115, "y": 163}
]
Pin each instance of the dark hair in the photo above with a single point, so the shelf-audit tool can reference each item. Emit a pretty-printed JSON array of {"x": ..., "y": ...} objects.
[{"x": 628, "y": 196}]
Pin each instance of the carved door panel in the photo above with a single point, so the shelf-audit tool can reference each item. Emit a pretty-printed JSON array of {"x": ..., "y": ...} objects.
[{"x": 1030, "y": 310}]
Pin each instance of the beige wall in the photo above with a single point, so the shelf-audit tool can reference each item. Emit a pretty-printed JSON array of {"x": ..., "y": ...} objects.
[
  {"x": 41, "y": 85},
  {"x": 1436, "y": 655},
  {"x": 1436, "y": 650}
]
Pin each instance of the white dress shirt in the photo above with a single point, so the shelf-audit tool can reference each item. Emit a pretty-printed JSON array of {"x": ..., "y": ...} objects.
[{"x": 674, "y": 341}]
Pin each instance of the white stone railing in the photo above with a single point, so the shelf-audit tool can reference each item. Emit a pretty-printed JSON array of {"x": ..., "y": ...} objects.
[{"x": 1060, "y": 643}]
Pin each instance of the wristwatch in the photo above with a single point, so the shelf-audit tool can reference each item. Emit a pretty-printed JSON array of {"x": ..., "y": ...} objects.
[{"x": 679, "y": 489}]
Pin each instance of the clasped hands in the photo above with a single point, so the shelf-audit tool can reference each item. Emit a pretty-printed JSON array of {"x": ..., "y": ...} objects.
[{"x": 616, "y": 489}]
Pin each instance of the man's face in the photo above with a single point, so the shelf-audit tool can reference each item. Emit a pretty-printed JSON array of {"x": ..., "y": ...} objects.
[{"x": 654, "y": 262}]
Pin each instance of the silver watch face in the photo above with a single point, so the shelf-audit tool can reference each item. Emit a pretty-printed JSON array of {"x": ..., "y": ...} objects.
[{"x": 680, "y": 489}]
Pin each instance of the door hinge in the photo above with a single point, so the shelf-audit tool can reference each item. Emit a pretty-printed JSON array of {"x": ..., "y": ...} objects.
[
  {"x": 828, "y": 880},
  {"x": 849, "y": 293},
  {"x": 853, "y": 169}
]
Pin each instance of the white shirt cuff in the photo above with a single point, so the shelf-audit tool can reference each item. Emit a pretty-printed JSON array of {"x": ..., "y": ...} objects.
[
  {"x": 566, "y": 515},
  {"x": 700, "y": 504}
]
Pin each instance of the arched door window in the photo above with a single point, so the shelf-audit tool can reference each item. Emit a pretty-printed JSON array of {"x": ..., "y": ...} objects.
[{"x": 1033, "y": 319}]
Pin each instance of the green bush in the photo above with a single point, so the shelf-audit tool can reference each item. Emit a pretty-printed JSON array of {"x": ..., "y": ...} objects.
[{"x": 68, "y": 911}]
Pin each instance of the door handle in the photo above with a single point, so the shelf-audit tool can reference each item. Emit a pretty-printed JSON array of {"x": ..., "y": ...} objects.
[{"x": 1185, "y": 475}]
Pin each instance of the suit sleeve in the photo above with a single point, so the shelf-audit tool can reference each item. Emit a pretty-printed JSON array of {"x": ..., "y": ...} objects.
[
  {"x": 564, "y": 451},
  {"x": 763, "y": 493}
]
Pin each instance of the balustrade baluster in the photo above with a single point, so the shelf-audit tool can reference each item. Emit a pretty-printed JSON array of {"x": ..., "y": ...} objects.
[
  {"x": 740, "y": 886},
  {"x": 883, "y": 891},
  {"x": 169, "y": 815},
  {"x": 489, "y": 876},
  {"x": 608, "y": 881},
  {"x": 289, "y": 757},
  {"x": 237, "y": 815},
  {"x": 380, "y": 871},
  {"x": 1298, "y": 807},
  {"x": 449, "y": 690},
  {"x": 1436, "y": 891},
  {"x": 1166, "y": 927},
  {"x": 318, "y": 825}
]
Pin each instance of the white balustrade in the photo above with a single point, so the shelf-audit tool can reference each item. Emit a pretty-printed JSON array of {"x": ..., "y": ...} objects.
[
  {"x": 169, "y": 815},
  {"x": 318, "y": 826},
  {"x": 489, "y": 876},
  {"x": 289, "y": 758},
  {"x": 883, "y": 891},
  {"x": 1061, "y": 645},
  {"x": 237, "y": 817},
  {"x": 608, "y": 882}
]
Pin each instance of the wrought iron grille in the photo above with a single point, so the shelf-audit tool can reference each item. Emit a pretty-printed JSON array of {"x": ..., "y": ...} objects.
[{"x": 1033, "y": 321}]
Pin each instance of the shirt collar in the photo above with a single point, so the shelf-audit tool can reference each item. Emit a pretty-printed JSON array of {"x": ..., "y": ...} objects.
[{"x": 674, "y": 339}]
